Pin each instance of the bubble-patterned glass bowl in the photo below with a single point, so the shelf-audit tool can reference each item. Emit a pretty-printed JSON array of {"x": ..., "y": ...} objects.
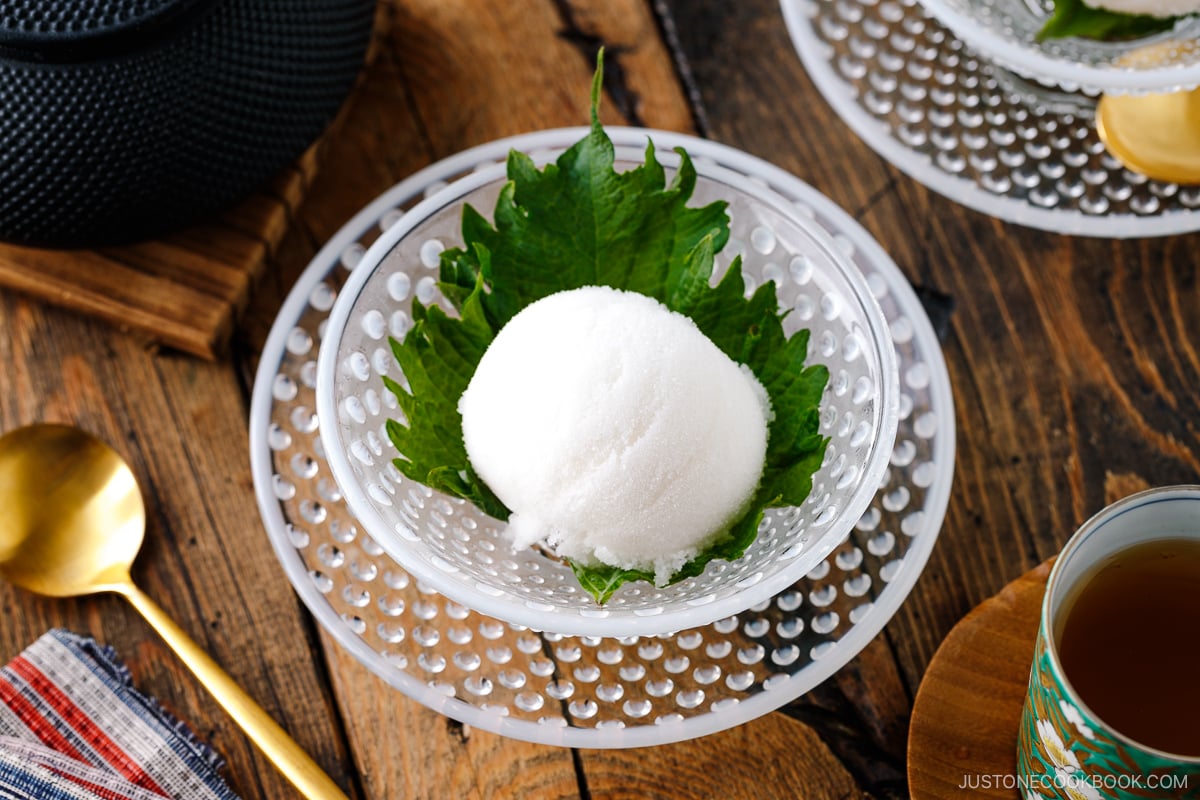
[
  {"x": 465, "y": 555},
  {"x": 1005, "y": 31}
]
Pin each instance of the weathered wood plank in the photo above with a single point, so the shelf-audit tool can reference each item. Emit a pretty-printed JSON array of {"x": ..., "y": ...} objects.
[
  {"x": 183, "y": 290},
  {"x": 771, "y": 757}
]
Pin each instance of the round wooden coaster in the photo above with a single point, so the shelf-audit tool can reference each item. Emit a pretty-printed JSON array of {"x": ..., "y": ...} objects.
[{"x": 962, "y": 740}]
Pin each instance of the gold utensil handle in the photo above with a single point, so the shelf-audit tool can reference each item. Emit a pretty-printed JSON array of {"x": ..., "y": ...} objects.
[{"x": 280, "y": 748}]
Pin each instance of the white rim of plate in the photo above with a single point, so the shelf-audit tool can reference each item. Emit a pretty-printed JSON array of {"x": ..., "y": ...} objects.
[
  {"x": 517, "y": 611},
  {"x": 813, "y": 55},
  {"x": 779, "y": 690}
]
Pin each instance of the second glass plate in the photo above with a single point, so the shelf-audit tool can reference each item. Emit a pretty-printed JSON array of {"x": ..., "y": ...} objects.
[{"x": 972, "y": 131}]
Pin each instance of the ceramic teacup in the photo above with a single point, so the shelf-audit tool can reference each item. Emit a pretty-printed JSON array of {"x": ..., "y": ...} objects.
[{"x": 1066, "y": 750}]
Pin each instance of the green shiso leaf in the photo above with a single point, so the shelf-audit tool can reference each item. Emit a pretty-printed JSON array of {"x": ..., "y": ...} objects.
[
  {"x": 601, "y": 580},
  {"x": 578, "y": 222},
  {"x": 1075, "y": 18},
  {"x": 438, "y": 357}
]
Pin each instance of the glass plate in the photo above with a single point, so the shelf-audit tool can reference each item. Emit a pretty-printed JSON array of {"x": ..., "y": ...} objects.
[
  {"x": 972, "y": 131},
  {"x": 593, "y": 691}
]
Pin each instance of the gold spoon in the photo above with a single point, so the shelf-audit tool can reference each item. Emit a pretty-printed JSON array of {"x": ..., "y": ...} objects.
[
  {"x": 1157, "y": 135},
  {"x": 72, "y": 524}
]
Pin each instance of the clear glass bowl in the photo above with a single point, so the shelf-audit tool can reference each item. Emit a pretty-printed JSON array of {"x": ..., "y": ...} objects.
[
  {"x": 1005, "y": 32},
  {"x": 452, "y": 547}
]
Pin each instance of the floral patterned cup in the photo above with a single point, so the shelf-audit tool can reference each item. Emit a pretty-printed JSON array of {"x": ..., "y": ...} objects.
[{"x": 1064, "y": 750}]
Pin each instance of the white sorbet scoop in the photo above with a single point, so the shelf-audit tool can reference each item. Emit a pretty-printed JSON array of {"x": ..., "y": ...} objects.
[{"x": 615, "y": 430}]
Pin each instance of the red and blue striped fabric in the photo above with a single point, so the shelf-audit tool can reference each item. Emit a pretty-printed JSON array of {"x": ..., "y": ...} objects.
[{"x": 72, "y": 727}]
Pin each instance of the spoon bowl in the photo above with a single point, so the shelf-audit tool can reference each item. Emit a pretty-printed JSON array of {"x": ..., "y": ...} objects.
[
  {"x": 74, "y": 518},
  {"x": 1157, "y": 135},
  {"x": 73, "y": 523}
]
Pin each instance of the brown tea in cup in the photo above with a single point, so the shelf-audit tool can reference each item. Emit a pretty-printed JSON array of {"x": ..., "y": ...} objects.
[{"x": 1129, "y": 643}]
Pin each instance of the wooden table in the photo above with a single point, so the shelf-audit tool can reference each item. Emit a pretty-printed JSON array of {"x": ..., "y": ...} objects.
[{"x": 1075, "y": 365}]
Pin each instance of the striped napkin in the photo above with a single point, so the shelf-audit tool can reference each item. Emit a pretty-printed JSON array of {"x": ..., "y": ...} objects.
[{"x": 72, "y": 727}]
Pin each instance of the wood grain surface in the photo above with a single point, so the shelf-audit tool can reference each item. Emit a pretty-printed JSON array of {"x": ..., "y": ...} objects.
[{"x": 1075, "y": 365}]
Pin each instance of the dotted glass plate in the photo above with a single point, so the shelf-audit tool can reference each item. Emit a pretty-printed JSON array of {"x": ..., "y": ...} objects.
[
  {"x": 594, "y": 691},
  {"x": 972, "y": 131}
]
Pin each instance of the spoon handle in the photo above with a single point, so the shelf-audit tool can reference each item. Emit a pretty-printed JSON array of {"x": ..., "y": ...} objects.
[{"x": 280, "y": 748}]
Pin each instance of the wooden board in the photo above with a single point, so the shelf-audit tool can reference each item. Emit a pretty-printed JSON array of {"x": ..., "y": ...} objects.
[
  {"x": 966, "y": 715},
  {"x": 184, "y": 290}
]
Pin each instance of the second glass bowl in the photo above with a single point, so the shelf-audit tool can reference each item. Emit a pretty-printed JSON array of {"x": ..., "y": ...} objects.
[{"x": 1006, "y": 33}]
